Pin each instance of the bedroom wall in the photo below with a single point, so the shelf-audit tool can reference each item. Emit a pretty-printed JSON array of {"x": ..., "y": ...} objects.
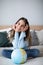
[{"x": 12, "y": 10}]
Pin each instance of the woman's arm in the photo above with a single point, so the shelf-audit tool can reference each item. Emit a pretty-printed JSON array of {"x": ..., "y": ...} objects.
[
  {"x": 15, "y": 40},
  {"x": 21, "y": 42}
]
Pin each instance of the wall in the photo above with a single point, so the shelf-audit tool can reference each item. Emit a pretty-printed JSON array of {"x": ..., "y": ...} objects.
[{"x": 12, "y": 10}]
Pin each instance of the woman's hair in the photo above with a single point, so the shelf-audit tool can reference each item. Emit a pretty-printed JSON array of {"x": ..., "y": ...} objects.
[{"x": 28, "y": 36}]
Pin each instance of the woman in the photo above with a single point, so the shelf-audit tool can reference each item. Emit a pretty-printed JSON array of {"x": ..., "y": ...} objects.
[{"x": 21, "y": 38}]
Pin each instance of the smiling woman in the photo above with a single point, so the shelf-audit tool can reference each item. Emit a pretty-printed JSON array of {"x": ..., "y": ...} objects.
[{"x": 32, "y": 27}]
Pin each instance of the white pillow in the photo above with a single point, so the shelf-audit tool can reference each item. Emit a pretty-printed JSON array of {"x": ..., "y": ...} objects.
[
  {"x": 7, "y": 30},
  {"x": 40, "y": 36}
]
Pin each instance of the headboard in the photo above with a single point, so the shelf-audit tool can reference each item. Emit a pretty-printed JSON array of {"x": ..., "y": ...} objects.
[{"x": 32, "y": 27}]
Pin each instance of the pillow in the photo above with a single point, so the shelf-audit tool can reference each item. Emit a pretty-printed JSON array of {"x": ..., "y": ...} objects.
[
  {"x": 40, "y": 36},
  {"x": 4, "y": 41},
  {"x": 34, "y": 38}
]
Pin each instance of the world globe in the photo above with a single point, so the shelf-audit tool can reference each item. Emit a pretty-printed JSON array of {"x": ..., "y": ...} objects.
[{"x": 19, "y": 56}]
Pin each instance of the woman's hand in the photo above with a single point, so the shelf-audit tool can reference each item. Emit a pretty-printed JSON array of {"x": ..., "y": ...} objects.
[{"x": 16, "y": 29}]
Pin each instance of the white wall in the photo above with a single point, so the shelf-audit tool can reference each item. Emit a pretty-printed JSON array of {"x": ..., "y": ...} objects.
[{"x": 12, "y": 10}]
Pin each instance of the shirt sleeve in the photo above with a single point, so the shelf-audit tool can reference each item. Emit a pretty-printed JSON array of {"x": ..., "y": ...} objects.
[
  {"x": 15, "y": 40},
  {"x": 22, "y": 43}
]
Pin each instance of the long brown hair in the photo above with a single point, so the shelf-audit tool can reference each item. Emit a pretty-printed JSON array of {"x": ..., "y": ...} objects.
[{"x": 28, "y": 36}]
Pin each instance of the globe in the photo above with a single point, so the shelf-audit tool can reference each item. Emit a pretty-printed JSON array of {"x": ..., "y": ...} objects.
[{"x": 19, "y": 56}]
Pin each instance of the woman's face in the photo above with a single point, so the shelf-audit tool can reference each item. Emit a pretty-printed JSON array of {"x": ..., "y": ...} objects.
[{"x": 20, "y": 25}]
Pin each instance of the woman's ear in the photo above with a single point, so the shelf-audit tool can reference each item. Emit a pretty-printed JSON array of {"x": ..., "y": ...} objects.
[{"x": 26, "y": 27}]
